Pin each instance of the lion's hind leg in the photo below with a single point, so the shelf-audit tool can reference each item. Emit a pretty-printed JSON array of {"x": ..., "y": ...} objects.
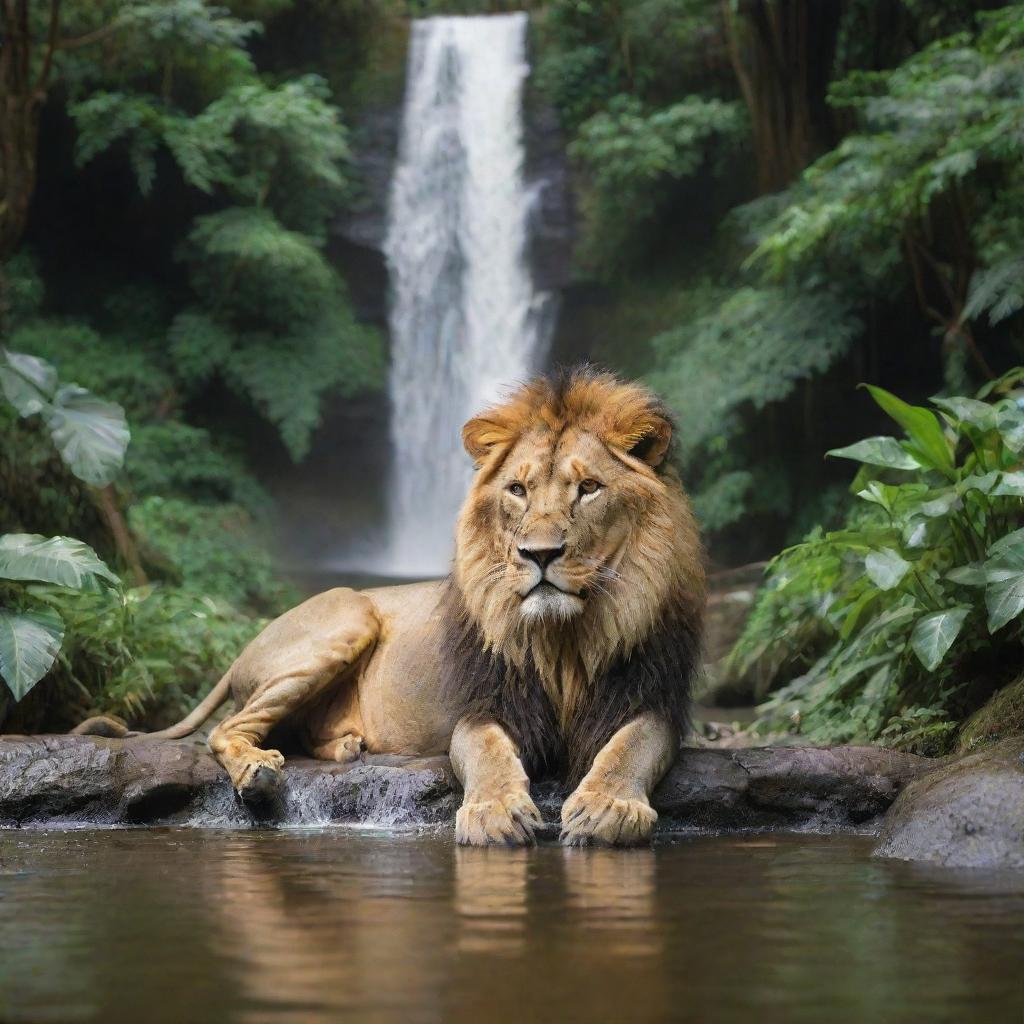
[
  {"x": 283, "y": 671},
  {"x": 343, "y": 749}
]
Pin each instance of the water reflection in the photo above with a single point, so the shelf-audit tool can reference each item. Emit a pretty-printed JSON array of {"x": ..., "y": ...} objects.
[
  {"x": 167, "y": 925},
  {"x": 490, "y": 899},
  {"x": 610, "y": 897}
]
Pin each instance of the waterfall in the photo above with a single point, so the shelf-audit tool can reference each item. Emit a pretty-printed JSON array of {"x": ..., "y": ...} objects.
[{"x": 466, "y": 322}]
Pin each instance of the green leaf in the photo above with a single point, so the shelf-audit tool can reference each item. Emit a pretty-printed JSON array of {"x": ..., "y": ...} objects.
[
  {"x": 929, "y": 442},
  {"x": 972, "y": 575},
  {"x": 90, "y": 434},
  {"x": 23, "y": 396},
  {"x": 1010, "y": 421},
  {"x": 968, "y": 410},
  {"x": 1010, "y": 485},
  {"x": 879, "y": 494},
  {"x": 886, "y": 568},
  {"x": 29, "y": 643},
  {"x": 38, "y": 372},
  {"x": 934, "y": 634},
  {"x": 878, "y": 451},
  {"x": 27, "y": 381},
  {"x": 61, "y": 560},
  {"x": 1011, "y": 543},
  {"x": 978, "y": 482},
  {"x": 1004, "y": 596},
  {"x": 915, "y": 532},
  {"x": 940, "y": 506},
  {"x": 856, "y": 610}
]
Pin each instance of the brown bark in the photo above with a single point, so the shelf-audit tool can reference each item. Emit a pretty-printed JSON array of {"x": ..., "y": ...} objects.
[
  {"x": 781, "y": 53},
  {"x": 21, "y": 97},
  {"x": 124, "y": 542},
  {"x": 22, "y": 94}
]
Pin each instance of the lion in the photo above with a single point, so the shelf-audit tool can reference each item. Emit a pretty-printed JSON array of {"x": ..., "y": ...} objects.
[{"x": 562, "y": 644}]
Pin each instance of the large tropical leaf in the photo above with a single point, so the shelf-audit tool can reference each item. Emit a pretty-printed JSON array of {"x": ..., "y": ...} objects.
[
  {"x": 934, "y": 634},
  {"x": 1011, "y": 425},
  {"x": 972, "y": 575},
  {"x": 1010, "y": 485},
  {"x": 27, "y": 381},
  {"x": 1010, "y": 546},
  {"x": 886, "y": 568},
  {"x": 90, "y": 434},
  {"x": 29, "y": 643},
  {"x": 878, "y": 451},
  {"x": 968, "y": 410},
  {"x": 927, "y": 440},
  {"x": 61, "y": 560},
  {"x": 1004, "y": 596}
]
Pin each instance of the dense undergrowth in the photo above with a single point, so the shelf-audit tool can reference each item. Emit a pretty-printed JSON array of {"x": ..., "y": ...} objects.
[{"x": 904, "y": 621}]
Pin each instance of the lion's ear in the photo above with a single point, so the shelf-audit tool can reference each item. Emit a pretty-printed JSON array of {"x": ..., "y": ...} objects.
[
  {"x": 482, "y": 434},
  {"x": 645, "y": 436}
]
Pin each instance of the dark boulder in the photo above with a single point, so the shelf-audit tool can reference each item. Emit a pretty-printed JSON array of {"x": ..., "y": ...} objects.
[
  {"x": 967, "y": 813},
  {"x": 824, "y": 788}
]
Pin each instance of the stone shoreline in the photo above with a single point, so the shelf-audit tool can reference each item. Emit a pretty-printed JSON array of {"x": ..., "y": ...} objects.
[{"x": 965, "y": 812}]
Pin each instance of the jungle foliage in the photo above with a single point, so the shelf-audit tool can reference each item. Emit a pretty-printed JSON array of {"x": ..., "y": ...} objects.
[
  {"x": 835, "y": 188},
  {"x": 811, "y": 195},
  {"x": 905, "y": 620},
  {"x": 66, "y": 616},
  {"x": 167, "y": 186}
]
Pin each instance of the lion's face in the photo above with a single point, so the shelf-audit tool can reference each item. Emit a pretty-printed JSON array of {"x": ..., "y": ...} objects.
[
  {"x": 573, "y": 525},
  {"x": 562, "y": 506}
]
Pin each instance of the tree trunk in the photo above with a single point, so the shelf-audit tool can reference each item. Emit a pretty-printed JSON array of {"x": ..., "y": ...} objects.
[
  {"x": 124, "y": 542},
  {"x": 21, "y": 97},
  {"x": 782, "y": 52}
]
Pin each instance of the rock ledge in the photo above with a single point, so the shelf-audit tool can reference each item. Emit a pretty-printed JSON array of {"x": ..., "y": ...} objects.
[{"x": 79, "y": 780}]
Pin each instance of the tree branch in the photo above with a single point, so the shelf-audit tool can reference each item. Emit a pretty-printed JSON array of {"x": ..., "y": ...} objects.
[
  {"x": 90, "y": 37},
  {"x": 51, "y": 48}
]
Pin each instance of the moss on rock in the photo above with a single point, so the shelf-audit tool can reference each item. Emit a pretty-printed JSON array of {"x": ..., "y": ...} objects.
[{"x": 1001, "y": 717}]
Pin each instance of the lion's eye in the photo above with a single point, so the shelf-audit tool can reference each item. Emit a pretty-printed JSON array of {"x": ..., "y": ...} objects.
[
  {"x": 589, "y": 486},
  {"x": 517, "y": 489}
]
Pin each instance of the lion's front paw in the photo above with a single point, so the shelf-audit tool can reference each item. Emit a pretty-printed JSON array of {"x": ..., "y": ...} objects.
[
  {"x": 594, "y": 817},
  {"x": 261, "y": 778},
  {"x": 509, "y": 818}
]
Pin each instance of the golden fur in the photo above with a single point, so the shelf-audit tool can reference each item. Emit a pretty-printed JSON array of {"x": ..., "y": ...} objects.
[{"x": 634, "y": 559}]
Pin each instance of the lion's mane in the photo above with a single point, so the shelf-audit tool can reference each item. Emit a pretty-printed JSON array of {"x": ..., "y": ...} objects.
[{"x": 562, "y": 689}]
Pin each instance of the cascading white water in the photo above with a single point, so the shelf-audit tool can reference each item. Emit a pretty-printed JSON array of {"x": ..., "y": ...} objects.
[{"x": 465, "y": 319}]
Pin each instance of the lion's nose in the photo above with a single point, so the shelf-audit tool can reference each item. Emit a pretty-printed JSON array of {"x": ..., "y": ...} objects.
[{"x": 542, "y": 556}]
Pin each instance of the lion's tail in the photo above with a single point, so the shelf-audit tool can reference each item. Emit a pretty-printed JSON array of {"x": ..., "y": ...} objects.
[{"x": 103, "y": 725}]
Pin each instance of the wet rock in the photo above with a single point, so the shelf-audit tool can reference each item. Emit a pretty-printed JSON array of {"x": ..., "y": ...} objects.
[
  {"x": 794, "y": 787},
  {"x": 966, "y": 813},
  {"x": 59, "y": 780}
]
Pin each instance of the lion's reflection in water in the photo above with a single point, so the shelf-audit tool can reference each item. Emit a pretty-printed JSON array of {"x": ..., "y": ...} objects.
[
  {"x": 610, "y": 893},
  {"x": 490, "y": 899},
  {"x": 330, "y": 927}
]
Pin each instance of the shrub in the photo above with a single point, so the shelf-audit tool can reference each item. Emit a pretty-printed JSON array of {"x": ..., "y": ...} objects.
[{"x": 903, "y": 621}]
